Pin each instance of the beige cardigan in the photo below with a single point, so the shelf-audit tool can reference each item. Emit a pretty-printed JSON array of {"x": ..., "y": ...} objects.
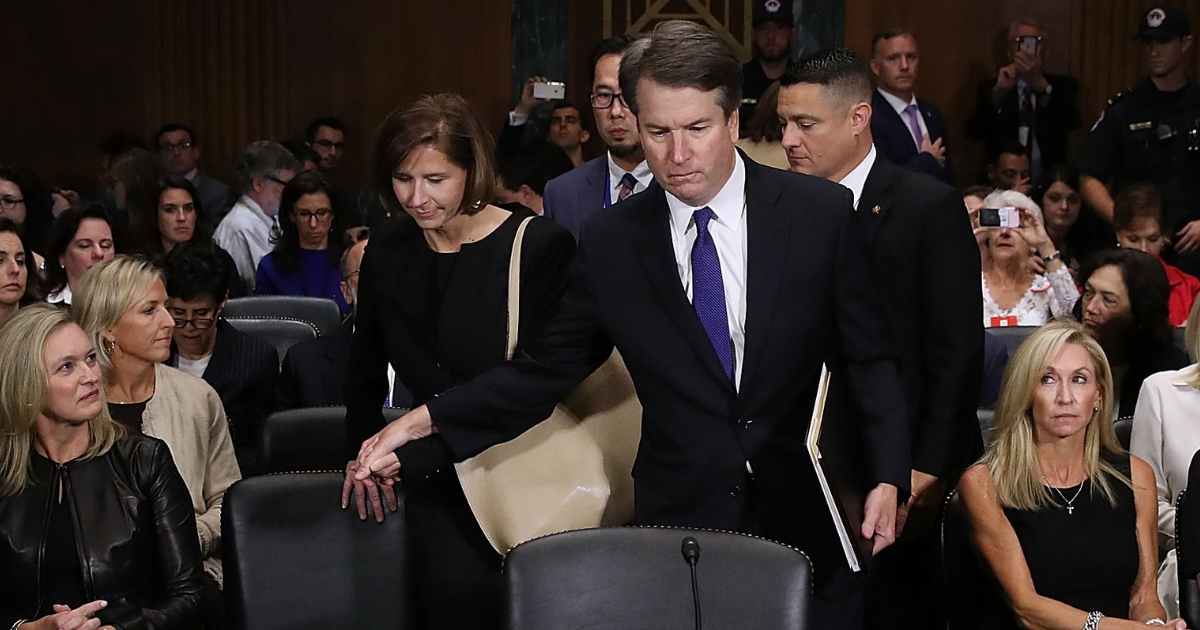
[{"x": 186, "y": 413}]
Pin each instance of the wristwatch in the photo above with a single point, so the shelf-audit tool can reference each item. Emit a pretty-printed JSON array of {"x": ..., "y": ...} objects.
[{"x": 1052, "y": 257}]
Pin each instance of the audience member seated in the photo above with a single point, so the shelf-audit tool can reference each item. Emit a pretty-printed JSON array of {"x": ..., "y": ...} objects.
[
  {"x": 97, "y": 524},
  {"x": 1166, "y": 433},
  {"x": 774, "y": 30},
  {"x": 308, "y": 244},
  {"x": 522, "y": 179},
  {"x": 1025, "y": 105},
  {"x": 135, "y": 176},
  {"x": 263, "y": 169},
  {"x": 973, "y": 199},
  {"x": 1076, "y": 231},
  {"x": 1138, "y": 220},
  {"x": 908, "y": 132},
  {"x": 305, "y": 155},
  {"x": 1008, "y": 168},
  {"x": 25, "y": 202},
  {"x": 80, "y": 238},
  {"x": 112, "y": 147},
  {"x": 241, "y": 369},
  {"x": 1013, "y": 295},
  {"x": 121, "y": 304},
  {"x": 1054, "y": 452},
  {"x": 1124, "y": 306},
  {"x": 327, "y": 136},
  {"x": 179, "y": 149},
  {"x": 762, "y": 138},
  {"x": 18, "y": 277}
]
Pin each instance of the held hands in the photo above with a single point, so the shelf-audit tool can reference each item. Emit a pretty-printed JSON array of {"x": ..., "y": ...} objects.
[
  {"x": 879, "y": 517},
  {"x": 66, "y": 618},
  {"x": 377, "y": 489},
  {"x": 377, "y": 455},
  {"x": 934, "y": 148}
]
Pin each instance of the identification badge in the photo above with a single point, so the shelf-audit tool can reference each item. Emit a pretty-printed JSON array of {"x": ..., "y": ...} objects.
[
  {"x": 1003, "y": 321},
  {"x": 1023, "y": 135},
  {"x": 1140, "y": 126}
]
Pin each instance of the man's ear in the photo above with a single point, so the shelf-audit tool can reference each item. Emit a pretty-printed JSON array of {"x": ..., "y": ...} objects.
[
  {"x": 526, "y": 193},
  {"x": 584, "y": 136},
  {"x": 860, "y": 117}
]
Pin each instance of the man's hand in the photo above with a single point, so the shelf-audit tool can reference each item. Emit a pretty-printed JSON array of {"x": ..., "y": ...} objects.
[
  {"x": 376, "y": 489},
  {"x": 1022, "y": 185},
  {"x": 1188, "y": 239},
  {"x": 1029, "y": 69},
  {"x": 1006, "y": 79},
  {"x": 913, "y": 517},
  {"x": 879, "y": 517},
  {"x": 527, "y": 100},
  {"x": 934, "y": 148}
]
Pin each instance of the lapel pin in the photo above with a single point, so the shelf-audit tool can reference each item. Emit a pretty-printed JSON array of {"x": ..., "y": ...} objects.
[{"x": 875, "y": 210}]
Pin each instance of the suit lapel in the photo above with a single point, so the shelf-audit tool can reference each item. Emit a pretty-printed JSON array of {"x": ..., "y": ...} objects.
[
  {"x": 874, "y": 204},
  {"x": 768, "y": 225},
  {"x": 595, "y": 178},
  {"x": 656, "y": 254}
]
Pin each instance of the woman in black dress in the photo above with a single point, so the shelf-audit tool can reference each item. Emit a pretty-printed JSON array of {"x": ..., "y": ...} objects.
[
  {"x": 432, "y": 305},
  {"x": 1065, "y": 519}
]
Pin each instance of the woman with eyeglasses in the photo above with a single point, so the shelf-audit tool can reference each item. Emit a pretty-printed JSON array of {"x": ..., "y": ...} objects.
[
  {"x": 25, "y": 202},
  {"x": 308, "y": 244}
]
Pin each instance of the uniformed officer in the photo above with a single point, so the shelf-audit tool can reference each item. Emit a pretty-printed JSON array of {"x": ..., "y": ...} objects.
[{"x": 1150, "y": 133}]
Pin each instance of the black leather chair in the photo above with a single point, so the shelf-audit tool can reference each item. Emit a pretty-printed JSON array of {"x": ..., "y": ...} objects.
[
  {"x": 281, "y": 332},
  {"x": 294, "y": 560},
  {"x": 323, "y": 313},
  {"x": 632, "y": 578},
  {"x": 1012, "y": 336},
  {"x": 1189, "y": 591},
  {"x": 987, "y": 424},
  {"x": 1180, "y": 338},
  {"x": 969, "y": 592},
  {"x": 305, "y": 439},
  {"x": 1124, "y": 429}
]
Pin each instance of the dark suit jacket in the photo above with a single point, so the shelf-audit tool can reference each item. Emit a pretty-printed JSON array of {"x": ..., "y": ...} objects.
[
  {"x": 572, "y": 197},
  {"x": 810, "y": 299},
  {"x": 927, "y": 268},
  {"x": 1055, "y": 118},
  {"x": 894, "y": 140},
  {"x": 215, "y": 197},
  {"x": 314, "y": 372}
]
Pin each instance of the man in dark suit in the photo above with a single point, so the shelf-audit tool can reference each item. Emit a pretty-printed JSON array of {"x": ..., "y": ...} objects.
[
  {"x": 600, "y": 182},
  {"x": 725, "y": 286},
  {"x": 926, "y": 263},
  {"x": 179, "y": 150},
  {"x": 241, "y": 368},
  {"x": 908, "y": 132},
  {"x": 1023, "y": 104}
]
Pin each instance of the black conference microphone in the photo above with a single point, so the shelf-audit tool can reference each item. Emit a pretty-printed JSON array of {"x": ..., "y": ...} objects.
[{"x": 691, "y": 554}]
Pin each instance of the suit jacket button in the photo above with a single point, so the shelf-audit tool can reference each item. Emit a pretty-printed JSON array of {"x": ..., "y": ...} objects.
[{"x": 735, "y": 491}]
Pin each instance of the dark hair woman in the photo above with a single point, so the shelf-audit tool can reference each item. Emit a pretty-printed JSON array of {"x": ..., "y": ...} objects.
[
  {"x": 24, "y": 201},
  {"x": 80, "y": 238},
  {"x": 19, "y": 278},
  {"x": 1076, "y": 230},
  {"x": 178, "y": 218}
]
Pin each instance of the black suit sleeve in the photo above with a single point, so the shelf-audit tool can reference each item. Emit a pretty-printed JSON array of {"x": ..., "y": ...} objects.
[
  {"x": 1190, "y": 514},
  {"x": 951, "y": 331},
  {"x": 287, "y": 388},
  {"x": 986, "y": 118},
  {"x": 508, "y": 143},
  {"x": 366, "y": 378},
  {"x": 1061, "y": 109}
]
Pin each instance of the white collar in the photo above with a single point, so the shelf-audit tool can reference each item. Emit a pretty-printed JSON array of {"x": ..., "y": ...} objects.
[
  {"x": 727, "y": 205},
  {"x": 641, "y": 172},
  {"x": 1183, "y": 377},
  {"x": 857, "y": 178},
  {"x": 62, "y": 297},
  {"x": 256, "y": 210},
  {"x": 896, "y": 102}
]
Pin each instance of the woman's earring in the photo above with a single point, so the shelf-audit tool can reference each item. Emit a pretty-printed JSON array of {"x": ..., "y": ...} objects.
[
  {"x": 110, "y": 345},
  {"x": 477, "y": 205}
]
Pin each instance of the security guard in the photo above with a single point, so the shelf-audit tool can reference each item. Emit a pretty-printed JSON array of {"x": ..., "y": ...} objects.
[{"x": 1151, "y": 133}]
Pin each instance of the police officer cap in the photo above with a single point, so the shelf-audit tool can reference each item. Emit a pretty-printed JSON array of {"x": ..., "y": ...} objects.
[
  {"x": 778, "y": 11},
  {"x": 1164, "y": 22}
]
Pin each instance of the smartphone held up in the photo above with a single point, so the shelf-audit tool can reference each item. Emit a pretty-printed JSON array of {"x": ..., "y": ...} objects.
[{"x": 1000, "y": 217}]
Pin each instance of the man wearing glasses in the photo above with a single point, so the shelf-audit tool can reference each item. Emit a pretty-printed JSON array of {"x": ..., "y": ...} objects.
[
  {"x": 179, "y": 152},
  {"x": 598, "y": 183},
  {"x": 243, "y": 370},
  {"x": 262, "y": 171}
]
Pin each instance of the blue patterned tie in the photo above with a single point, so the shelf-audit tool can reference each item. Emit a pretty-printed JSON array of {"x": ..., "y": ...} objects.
[
  {"x": 708, "y": 291},
  {"x": 628, "y": 183}
]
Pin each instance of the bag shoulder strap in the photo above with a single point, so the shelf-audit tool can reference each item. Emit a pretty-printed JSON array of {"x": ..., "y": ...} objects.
[{"x": 514, "y": 290}]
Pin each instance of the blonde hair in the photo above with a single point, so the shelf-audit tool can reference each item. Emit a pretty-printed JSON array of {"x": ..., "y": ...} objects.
[
  {"x": 1191, "y": 338},
  {"x": 1012, "y": 457},
  {"x": 23, "y": 392},
  {"x": 103, "y": 295}
]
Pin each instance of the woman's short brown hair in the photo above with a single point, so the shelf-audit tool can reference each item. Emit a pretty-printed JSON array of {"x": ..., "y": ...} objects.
[
  {"x": 1137, "y": 203},
  {"x": 445, "y": 122}
]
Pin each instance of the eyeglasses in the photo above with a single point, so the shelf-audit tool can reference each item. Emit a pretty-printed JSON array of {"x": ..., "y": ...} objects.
[
  {"x": 320, "y": 215},
  {"x": 167, "y": 147},
  {"x": 277, "y": 180},
  {"x": 350, "y": 275},
  {"x": 604, "y": 100},
  {"x": 8, "y": 203},
  {"x": 199, "y": 323}
]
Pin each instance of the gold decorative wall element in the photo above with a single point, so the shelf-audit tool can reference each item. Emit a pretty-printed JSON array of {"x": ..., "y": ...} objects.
[{"x": 728, "y": 18}]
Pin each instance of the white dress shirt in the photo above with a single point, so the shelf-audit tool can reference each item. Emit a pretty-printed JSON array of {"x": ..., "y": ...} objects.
[
  {"x": 899, "y": 105},
  {"x": 856, "y": 179},
  {"x": 728, "y": 230},
  {"x": 641, "y": 173},
  {"x": 246, "y": 234},
  {"x": 1166, "y": 434}
]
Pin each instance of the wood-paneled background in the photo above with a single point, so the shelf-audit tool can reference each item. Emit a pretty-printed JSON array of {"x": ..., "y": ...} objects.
[{"x": 240, "y": 70}]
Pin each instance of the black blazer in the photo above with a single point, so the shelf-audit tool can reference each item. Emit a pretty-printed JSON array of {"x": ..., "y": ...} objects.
[
  {"x": 894, "y": 140},
  {"x": 314, "y": 372},
  {"x": 810, "y": 298},
  {"x": 927, "y": 268},
  {"x": 1055, "y": 118}
]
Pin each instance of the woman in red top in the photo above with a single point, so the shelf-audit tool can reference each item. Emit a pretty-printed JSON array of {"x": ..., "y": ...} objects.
[{"x": 1137, "y": 219}]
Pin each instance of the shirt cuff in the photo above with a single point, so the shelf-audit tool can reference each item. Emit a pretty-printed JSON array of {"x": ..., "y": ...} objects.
[{"x": 516, "y": 120}]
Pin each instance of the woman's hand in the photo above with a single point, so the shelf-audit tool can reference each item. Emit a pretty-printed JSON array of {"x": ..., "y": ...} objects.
[
  {"x": 1034, "y": 233},
  {"x": 377, "y": 455},
  {"x": 373, "y": 489},
  {"x": 66, "y": 618}
]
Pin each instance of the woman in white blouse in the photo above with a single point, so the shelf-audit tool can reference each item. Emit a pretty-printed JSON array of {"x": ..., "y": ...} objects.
[
  {"x": 1166, "y": 433},
  {"x": 1013, "y": 295}
]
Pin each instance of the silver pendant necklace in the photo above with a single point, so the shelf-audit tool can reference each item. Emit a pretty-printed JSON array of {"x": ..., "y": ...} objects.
[{"x": 1070, "y": 508}]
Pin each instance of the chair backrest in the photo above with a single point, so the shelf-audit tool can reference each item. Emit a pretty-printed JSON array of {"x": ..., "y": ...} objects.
[
  {"x": 323, "y": 313},
  {"x": 1180, "y": 338},
  {"x": 1124, "y": 429},
  {"x": 311, "y": 438},
  {"x": 1189, "y": 591},
  {"x": 1012, "y": 336},
  {"x": 632, "y": 578},
  {"x": 294, "y": 560},
  {"x": 283, "y": 333},
  {"x": 987, "y": 424},
  {"x": 969, "y": 592}
]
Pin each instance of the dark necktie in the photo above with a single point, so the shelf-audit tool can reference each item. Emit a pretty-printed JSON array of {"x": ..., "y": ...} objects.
[
  {"x": 628, "y": 182},
  {"x": 708, "y": 291}
]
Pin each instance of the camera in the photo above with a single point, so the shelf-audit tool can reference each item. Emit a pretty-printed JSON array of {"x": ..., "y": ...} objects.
[{"x": 1000, "y": 217}]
